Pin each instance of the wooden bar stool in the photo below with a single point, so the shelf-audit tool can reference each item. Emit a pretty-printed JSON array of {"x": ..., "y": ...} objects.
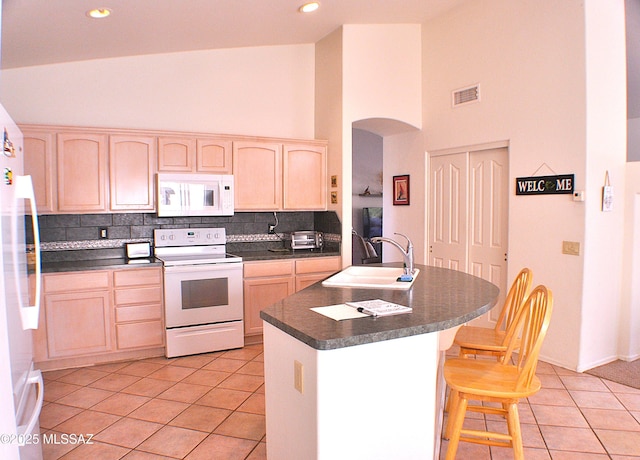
[
  {"x": 493, "y": 341},
  {"x": 501, "y": 382}
]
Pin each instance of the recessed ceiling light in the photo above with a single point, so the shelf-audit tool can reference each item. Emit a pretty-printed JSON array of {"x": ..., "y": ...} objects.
[
  {"x": 309, "y": 7},
  {"x": 99, "y": 13}
]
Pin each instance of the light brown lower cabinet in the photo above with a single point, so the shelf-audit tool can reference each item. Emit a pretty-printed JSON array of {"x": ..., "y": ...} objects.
[
  {"x": 78, "y": 323},
  {"x": 94, "y": 316},
  {"x": 312, "y": 270},
  {"x": 267, "y": 282}
]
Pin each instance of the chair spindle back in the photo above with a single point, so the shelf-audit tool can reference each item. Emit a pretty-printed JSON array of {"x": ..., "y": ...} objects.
[{"x": 531, "y": 325}]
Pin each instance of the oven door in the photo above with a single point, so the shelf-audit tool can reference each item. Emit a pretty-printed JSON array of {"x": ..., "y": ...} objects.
[{"x": 202, "y": 294}]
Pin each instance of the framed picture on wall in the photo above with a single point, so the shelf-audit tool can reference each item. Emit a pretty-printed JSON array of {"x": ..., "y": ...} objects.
[{"x": 401, "y": 190}]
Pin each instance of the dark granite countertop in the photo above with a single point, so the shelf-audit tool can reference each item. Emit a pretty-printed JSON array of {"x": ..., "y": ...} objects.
[
  {"x": 248, "y": 256},
  {"x": 440, "y": 298},
  {"x": 98, "y": 264},
  {"x": 122, "y": 262}
]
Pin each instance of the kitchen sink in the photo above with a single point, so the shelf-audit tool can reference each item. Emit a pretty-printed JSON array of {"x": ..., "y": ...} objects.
[{"x": 364, "y": 276}]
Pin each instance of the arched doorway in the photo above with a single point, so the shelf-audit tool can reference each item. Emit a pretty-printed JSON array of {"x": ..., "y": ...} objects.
[{"x": 382, "y": 148}]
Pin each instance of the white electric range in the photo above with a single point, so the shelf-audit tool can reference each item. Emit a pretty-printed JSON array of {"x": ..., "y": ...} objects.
[{"x": 203, "y": 292}]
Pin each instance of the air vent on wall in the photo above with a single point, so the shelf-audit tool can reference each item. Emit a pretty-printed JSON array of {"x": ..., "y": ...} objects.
[{"x": 466, "y": 95}]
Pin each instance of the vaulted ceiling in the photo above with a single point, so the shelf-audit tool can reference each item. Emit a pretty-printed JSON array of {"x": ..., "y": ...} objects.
[{"x": 38, "y": 32}]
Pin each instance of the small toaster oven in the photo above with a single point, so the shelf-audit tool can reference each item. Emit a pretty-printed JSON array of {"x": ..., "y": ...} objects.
[{"x": 306, "y": 240}]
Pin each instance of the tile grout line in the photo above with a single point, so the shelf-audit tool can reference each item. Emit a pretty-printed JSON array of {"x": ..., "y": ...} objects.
[
  {"x": 164, "y": 364},
  {"x": 591, "y": 427},
  {"x": 584, "y": 416}
]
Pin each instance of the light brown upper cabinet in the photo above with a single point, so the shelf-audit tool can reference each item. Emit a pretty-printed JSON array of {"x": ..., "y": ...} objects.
[
  {"x": 38, "y": 162},
  {"x": 76, "y": 170},
  {"x": 257, "y": 173},
  {"x": 305, "y": 177},
  {"x": 81, "y": 171},
  {"x": 272, "y": 176},
  {"x": 176, "y": 154},
  {"x": 94, "y": 170},
  {"x": 191, "y": 154},
  {"x": 213, "y": 155},
  {"x": 132, "y": 165}
]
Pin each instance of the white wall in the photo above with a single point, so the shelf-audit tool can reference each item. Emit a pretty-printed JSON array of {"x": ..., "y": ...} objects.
[
  {"x": 606, "y": 128},
  {"x": 380, "y": 79},
  {"x": 328, "y": 121},
  {"x": 264, "y": 91},
  {"x": 530, "y": 59},
  {"x": 404, "y": 154},
  {"x": 382, "y": 72}
]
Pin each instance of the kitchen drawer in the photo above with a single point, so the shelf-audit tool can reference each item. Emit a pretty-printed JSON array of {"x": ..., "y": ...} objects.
[
  {"x": 139, "y": 335},
  {"x": 78, "y": 281},
  {"x": 317, "y": 265},
  {"x": 304, "y": 281},
  {"x": 138, "y": 295},
  {"x": 137, "y": 277},
  {"x": 268, "y": 268},
  {"x": 139, "y": 313}
]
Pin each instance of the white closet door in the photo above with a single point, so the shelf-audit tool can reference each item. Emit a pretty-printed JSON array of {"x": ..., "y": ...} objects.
[
  {"x": 448, "y": 212},
  {"x": 468, "y": 217},
  {"x": 488, "y": 220}
]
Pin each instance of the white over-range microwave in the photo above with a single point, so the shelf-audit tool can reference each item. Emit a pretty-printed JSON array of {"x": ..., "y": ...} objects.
[{"x": 194, "y": 195}]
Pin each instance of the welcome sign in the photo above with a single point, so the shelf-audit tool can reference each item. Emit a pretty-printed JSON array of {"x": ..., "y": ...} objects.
[{"x": 545, "y": 185}]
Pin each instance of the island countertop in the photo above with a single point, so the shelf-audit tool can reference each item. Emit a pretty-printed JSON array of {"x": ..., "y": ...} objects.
[{"x": 440, "y": 299}]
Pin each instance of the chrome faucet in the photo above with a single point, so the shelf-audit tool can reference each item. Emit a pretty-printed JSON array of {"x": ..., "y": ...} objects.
[{"x": 407, "y": 254}]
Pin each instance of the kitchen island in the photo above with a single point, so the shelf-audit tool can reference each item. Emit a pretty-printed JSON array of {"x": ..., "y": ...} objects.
[{"x": 366, "y": 387}]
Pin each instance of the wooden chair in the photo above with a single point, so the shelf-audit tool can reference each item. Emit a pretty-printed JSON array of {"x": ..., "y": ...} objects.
[
  {"x": 501, "y": 382},
  {"x": 493, "y": 341}
]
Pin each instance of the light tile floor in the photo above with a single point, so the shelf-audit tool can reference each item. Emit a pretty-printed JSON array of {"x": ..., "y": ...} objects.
[
  {"x": 208, "y": 406},
  {"x": 211, "y": 406}
]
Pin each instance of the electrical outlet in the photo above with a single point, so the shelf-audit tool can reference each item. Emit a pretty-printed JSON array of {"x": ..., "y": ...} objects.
[
  {"x": 571, "y": 248},
  {"x": 103, "y": 233},
  {"x": 298, "y": 376},
  {"x": 272, "y": 229}
]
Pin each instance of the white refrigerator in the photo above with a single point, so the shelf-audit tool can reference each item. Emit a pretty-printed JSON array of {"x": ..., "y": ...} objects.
[{"x": 21, "y": 387}]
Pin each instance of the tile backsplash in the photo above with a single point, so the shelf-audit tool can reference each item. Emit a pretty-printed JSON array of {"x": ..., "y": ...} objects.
[{"x": 245, "y": 230}]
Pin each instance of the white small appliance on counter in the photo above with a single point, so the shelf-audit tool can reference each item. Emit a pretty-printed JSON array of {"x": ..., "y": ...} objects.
[
  {"x": 307, "y": 240},
  {"x": 194, "y": 195}
]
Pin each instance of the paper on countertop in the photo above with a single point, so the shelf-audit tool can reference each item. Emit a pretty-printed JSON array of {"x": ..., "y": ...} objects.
[{"x": 339, "y": 312}]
